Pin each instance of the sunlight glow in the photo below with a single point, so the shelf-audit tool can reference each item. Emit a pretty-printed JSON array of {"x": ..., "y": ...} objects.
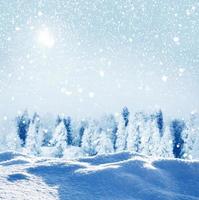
[{"x": 46, "y": 38}]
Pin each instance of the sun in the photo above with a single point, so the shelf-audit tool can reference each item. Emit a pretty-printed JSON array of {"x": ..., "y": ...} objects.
[{"x": 45, "y": 38}]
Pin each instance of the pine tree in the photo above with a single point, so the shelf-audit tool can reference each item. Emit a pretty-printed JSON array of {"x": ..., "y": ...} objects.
[
  {"x": 45, "y": 136},
  {"x": 141, "y": 132},
  {"x": 131, "y": 138},
  {"x": 177, "y": 127},
  {"x": 121, "y": 136},
  {"x": 12, "y": 140},
  {"x": 104, "y": 144},
  {"x": 122, "y": 131},
  {"x": 32, "y": 141},
  {"x": 68, "y": 126},
  {"x": 166, "y": 144},
  {"x": 108, "y": 125},
  {"x": 147, "y": 136},
  {"x": 89, "y": 139},
  {"x": 135, "y": 130},
  {"x": 189, "y": 136},
  {"x": 23, "y": 122},
  {"x": 155, "y": 135},
  {"x": 83, "y": 126},
  {"x": 58, "y": 120},
  {"x": 125, "y": 115},
  {"x": 195, "y": 149},
  {"x": 160, "y": 122},
  {"x": 59, "y": 140}
]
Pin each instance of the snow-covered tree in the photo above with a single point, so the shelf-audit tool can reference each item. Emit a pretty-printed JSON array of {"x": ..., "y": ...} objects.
[
  {"x": 195, "y": 149},
  {"x": 32, "y": 142},
  {"x": 155, "y": 137},
  {"x": 68, "y": 126},
  {"x": 121, "y": 136},
  {"x": 150, "y": 136},
  {"x": 45, "y": 136},
  {"x": 11, "y": 140},
  {"x": 143, "y": 134},
  {"x": 80, "y": 132},
  {"x": 166, "y": 144},
  {"x": 104, "y": 144},
  {"x": 177, "y": 127},
  {"x": 132, "y": 134},
  {"x": 189, "y": 136},
  {"x": 135, "y": 129},
  {"x": 47, "y": 128},
  {"x": 160, "y": 122},
  {"x": 125, "y": 114},
  {"x": 108, "y": 125},
  {"x": 59, "y": 139},
  {"x": 78, "y": 128},
  {"x": 122, "y": 131},
  {"x": 90, "y": 138},
  {"x": 146, "y": 137},
  {"x": 58, "y": 120},
  {"x": 23, "y": 122}
]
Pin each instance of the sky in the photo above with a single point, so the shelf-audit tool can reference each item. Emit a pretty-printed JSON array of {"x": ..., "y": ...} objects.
[{"x": 86, "y": 58}]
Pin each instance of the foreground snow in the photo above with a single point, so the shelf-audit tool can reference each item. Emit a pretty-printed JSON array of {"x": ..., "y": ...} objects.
[{"x": 117, "y": 176}]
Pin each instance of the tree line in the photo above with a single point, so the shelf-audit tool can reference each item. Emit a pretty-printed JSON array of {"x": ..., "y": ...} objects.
[{"x": 148, "y": 134}]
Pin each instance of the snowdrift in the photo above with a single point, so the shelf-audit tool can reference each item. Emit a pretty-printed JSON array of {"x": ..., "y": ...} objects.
[{"x": 118, "y": 176}]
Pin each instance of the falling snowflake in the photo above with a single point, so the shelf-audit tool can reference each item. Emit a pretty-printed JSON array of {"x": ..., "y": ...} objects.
[
  {"x": 164, "y": 78},
  {"x": 176, "y": 40},
  {"x": 91, "y": 94}
]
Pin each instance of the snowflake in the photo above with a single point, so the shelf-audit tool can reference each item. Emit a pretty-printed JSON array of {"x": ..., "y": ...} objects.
[
  {"x": 17, "y": 28},
  {"x": 91, "y": 94},
  {"x": 176, "y": 40},
  {"x": 164, "y": 78},
  {"x": 5, "y": 118},
  {"x": 12, "y": 98},
  {"x": 40, "y": 13},
  {"x": 101, "y": 73}
]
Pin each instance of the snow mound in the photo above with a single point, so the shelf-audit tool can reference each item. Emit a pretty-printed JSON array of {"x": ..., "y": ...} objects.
[
  {"x": 118, "y": 176},
  {"x": 5, "y": 156}
]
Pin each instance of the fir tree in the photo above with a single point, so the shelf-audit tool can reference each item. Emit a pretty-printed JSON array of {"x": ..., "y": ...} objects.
[
  {"x": 135, "y": 129},
  {"x": 59, "y": 140},
  {"x": 154, "y": 144},
  {"x": 67, "y": 123},
  {"x": 32, "y": 141},
  {"x": 177, "y": 127},
  {"x": 160, "y": 122},
  {"x": 121, "y": 135},
  {"x": 104, "y": 144},
  {"x": 189, "y": 136},
  {"x": 82, "y": 128},
  {"x": 23, "y": 122},
  {"x": 89, "y": 139},
  {"x": 125, "y": 115},
  {"x": 166, "y": 144}
]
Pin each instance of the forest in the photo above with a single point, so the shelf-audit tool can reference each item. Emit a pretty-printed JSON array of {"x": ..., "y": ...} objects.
[{"x": 145, "y": 133}]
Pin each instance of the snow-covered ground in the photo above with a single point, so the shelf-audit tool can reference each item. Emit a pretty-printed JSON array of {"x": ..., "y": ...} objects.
[{"x": 115, "y": 176}]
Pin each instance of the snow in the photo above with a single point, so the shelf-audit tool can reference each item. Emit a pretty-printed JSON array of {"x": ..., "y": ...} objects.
[
  {"x": 164, "y": 78},
  {"x": 148, "y": 133},
  {"x": 91, "y": 94},
  {"x": 82, "y": 61},
  {"x": 138, "y": 54},
  {"x": 114, "y": 176},
  {"x": 176, "y": 39},
  {"x": 45, "y": 38}
]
